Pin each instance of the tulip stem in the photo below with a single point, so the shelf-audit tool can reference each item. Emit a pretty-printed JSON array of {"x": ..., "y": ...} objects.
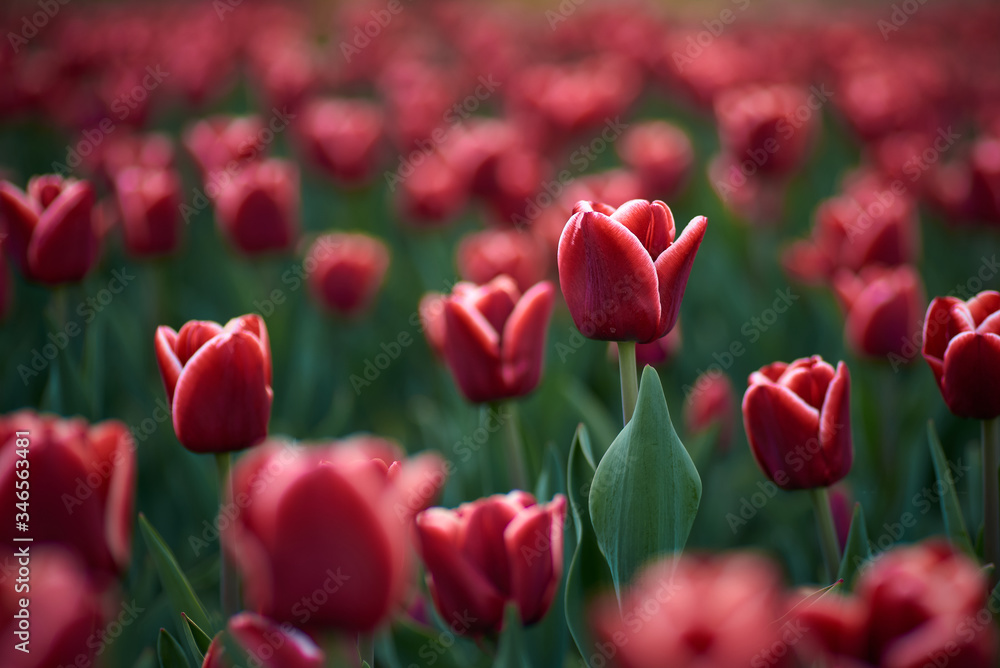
[
  {"x": 514, "y": 444},
  {"x": 366, "y": 648},
  {"x": 630, "y": 382},
  {"x": 991, "y": 493},
  {"x": 827, "y": 531},
  {"x": 229, "y": 593}
]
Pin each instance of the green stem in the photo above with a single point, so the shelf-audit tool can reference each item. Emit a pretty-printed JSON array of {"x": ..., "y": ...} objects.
[
  {"x": 366, "y": 648},
  {"x": 827, "y": 531},
  {"x": 514, "y": 445},
  {"x": 630, "y": 382},
  {"x": 991, "y": 493},
  {"x": 229, "y": 593}
]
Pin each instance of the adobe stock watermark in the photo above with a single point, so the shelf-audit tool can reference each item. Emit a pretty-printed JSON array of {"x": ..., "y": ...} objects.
[
  {"x": 901, "y": 13},
  {"x": 35, "y": 23},
  {"x": 697, "y": 44},
  {"x": 562, "y": 12}
]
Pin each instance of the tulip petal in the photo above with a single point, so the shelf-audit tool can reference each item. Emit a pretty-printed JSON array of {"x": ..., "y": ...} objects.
[
  {"x": 120, "y": 490},
  {"x": 971, "y": 382},
  {"x": 192, "y": 336},
  {"x": 835, "y": 427},
  {"x": 651, "y": 223},
  {"x": 809, "y": 379},
  {"x": 534, "y": 541},
  {"x": 523, "y": 341},
  {"x": 431, "y": 311},
  {"x": 254, "y": 324},
  {"x": 289, "y": 647},
  {"x": 495, "y": 301},
  {"x": 608, "y": 280},
  {"x": 64, "y": 244},
  {"x": 222, "y": 401},
  {"x": 472, "y": 352},
  {"x": 983, "y": 305},
  {"x": 19, "y": 215},
  {"x": 935, "y": 336},
  {"x": 166, "y": 359},
  {"x": 777, "y": 422},
  {"x": 673, "y": 267}
]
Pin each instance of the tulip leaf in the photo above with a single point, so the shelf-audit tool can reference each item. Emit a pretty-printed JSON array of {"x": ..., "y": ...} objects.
[
  {"x": 510, "y": 651},
  {"x": 197, "y": 640},
  {"x": 954, "y": 523},
  {"x": 169, "y": 651},
  {"x": 587, "y": 570},
  {"x": 646, "y": 489},
  {"x": 423, "y": 646},
  {"x": 175, "y": 583},
  {"x": 857, "y": 551}
]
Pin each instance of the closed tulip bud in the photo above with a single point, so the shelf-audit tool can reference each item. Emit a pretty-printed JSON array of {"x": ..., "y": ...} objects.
[
  {"x": 431, "y": 191},
  {"x": 699, "y": 612},
  {"x": 494, "y": 337},
  {"x": 798, "y": 421},
  {"x": 962, "y": 346},
  {"x": 323, "y": 544},
  {"x": 82, "y": 487},
  {"x": 660, "y": 153},
  {"x": 267, "y": 645},
  {"x": 259, "y": 208},
  {"x": 218, "y": 382},
  {"x": 347, "y": 271},
  {"x": 484, "y": 554},
  {"x": 50, "y": 229},
  {"x": 883, "y": 308},
  {"x": 483, "y": 256},
  {"x": 149, "y": 201},
  {"x": 622, "y": 273},
  {"x": 343, "y": 137},
  {"x": 216, "y": 142},
  {"x": 711, "y": 402}
]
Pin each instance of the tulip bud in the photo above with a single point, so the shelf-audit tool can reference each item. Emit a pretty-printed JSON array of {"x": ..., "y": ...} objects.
[
  {"x": 622, "y": 273},
  {"x": 216, "y": 142},
  {"x": 492, "y": 551},
  {"x": 50, "y": 229},
  {"x": 346, "y": 271},
  {"x": 218, "y": 382},
  {"x": 483, "y": 256},
  {"x": 711, "y": 402},
  {"x": 259, "y": 208},
  {"x": 267, "y": 645},
  {"x": 660, "y": 153},
  {"x": 962, "y": 346},
  {"x": 149, "y": 201},
  {"x": 431, "y": 192},
  {"x": 798, "y": 421},
  {"x": 343, "y": 137},
  {"x": 883, "y": 308}
]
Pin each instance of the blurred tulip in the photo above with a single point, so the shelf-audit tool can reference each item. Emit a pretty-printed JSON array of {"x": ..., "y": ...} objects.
[
  {"x": 962, "y": 346},
  {"x": 342, "y": 136},
  {"x": 914, "y": 606},
  {"x": 323, "y": 542},
  {"x": 482, "y": 256},
  {"x": 149, "y": 202},
  {"x": 50, "y": 229},
  {"x": 660, "y": 153},
  {"x": 969, "y": 190},
  {"x": 346, "y": 271},
  {"x": 484, "y": 554},
  {"x": 82, "y": 484},
  {"x": 6, "y": 286},
  {"x": 259, "y": 208},
  {"x": 267, "y": 645},
  {"x": 622, "y": 273},
  {"x": 700, "y": 612},
  {"x": 216, "y": 142},
  {"x": 842, "y": 509},
  {"x": 654, "y": 353},
  {"x": 798, "y": 421},
  {"x": 150, "y": 151},
  {"x": 431, "y": 191},
  {"x": 218, "y": 382},
  {"x": 883, "y": 308},
  {"x": 710, "y": 402},
  {"x": 64, "y": 614}
]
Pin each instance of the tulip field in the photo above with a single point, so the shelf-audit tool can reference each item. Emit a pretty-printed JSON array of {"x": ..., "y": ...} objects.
[{"x": 391, "y": 334}]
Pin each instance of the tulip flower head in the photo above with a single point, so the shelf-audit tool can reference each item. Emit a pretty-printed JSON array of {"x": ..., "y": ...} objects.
[
  {"x": 883, "y": 308},
  {"x": 218, "y": 382},
  {"x": 270, "y": 644},
  {"x": 962, "y": 346},
  {"x": 711, "y": 402},
  {"x": 259, "y": 209},
  {"x": 798, "y": 421},
  {"x": 149, "y": 201},
  {"x": 622, "y": 273},
  {"x": 483, "y": 256},
  {"x": 484, "y": 554},
  {"x": 347, "y": 271}
]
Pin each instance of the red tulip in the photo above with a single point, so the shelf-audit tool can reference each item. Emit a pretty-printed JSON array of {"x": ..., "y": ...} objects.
[
  {"x": 82, "y": 484},
  {"x": 483, "y": 256},
  {"x": 962, "y": 345},
  {"x": 698, "y": 612},
  {"x": 50, "y": 229},
  {"x": 343, "y": 137},
  {"x": 218, "y": 381},
  {"x": 915, "y": 606},
  {"x": 621, "y": 271},
  {"x": 883, "y": 308},
  {"x": 216, "y": 142},
  {"x": 431, "y": 191},
  {"x": 346, "y": 270},
  {"x": 504, "y": 548},
  {"x": 655, "y": 353},
  {"x": 494, "y": 338},
  {"x": 711, "y": 402},
  {"x": 149, "y": 201},
  {"x": 267, "y": 645},
  {"x": 798, "y": 421},
  {"x": 323, "y": 542},
  {"x": 151, "y": 151},
  {"x": 259, "y": 208},
  {"x": 660, "y": 153},
  {"x": 64, "y": 613}
]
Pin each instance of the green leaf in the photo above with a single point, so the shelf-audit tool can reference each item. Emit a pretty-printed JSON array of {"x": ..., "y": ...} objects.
[
  {"x": 197, "y": 640},
  {"x": 646, "y": 489},
  {"x": 510, "y": 651},
  {"x": 423, "y": 646},
  {"x": 857, "y": 551},
  {"x": 588, "y": 571},
  {"x": 954, "y": 523},
  {"x": 169, "y": 652},
  {"x": 175, "y": 583}
]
